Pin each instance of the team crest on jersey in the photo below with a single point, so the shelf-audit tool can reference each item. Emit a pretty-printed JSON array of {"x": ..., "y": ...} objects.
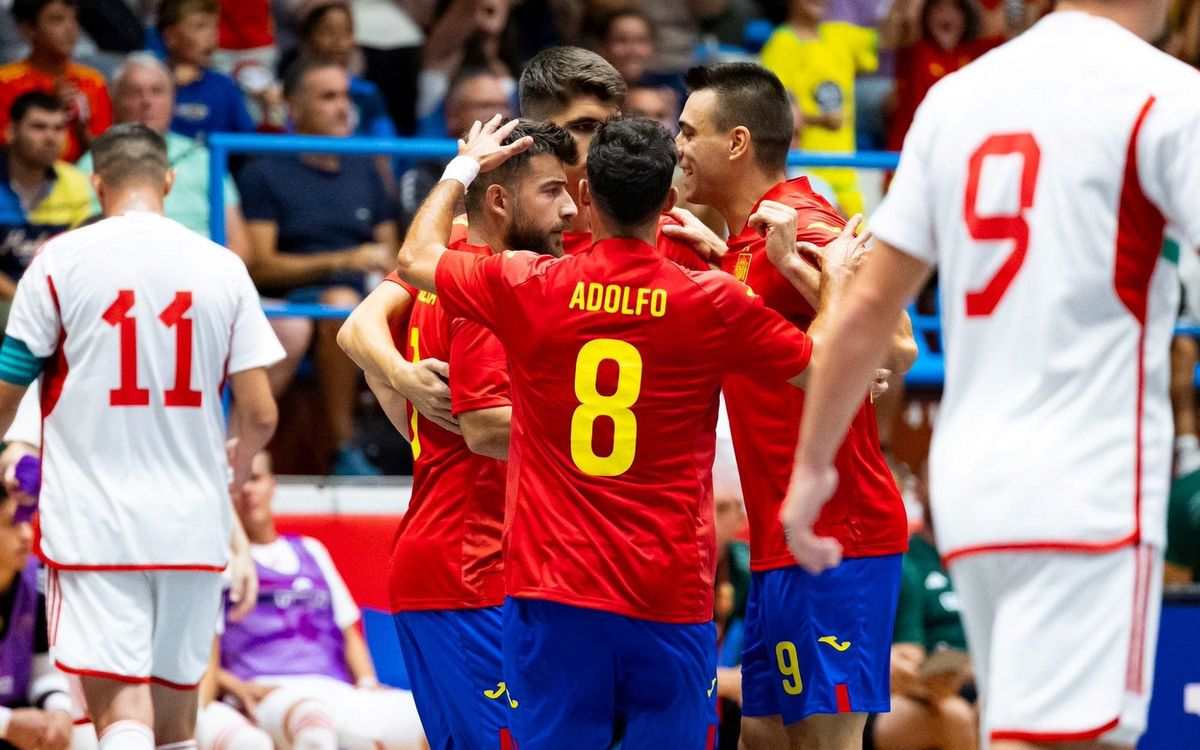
[{"x": 742, "y": 270}]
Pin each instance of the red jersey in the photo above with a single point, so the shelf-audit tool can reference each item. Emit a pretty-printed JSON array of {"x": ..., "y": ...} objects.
[
  {"x": 246, "y": 24},
  {"x": 866, "y": 514},
  {"x": 447, "y": 551},
  {"x": 617, "y": 357},
  {"x": 91, "y": 105},
  {"x": 671, "y": 249}
]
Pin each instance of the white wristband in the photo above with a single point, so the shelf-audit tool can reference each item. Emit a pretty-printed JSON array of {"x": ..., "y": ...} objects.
[
  {"x": 5, "y": 718},
  {"x": 464, "y": 169}
]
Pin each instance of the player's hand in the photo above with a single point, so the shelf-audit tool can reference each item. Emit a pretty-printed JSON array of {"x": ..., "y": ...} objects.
[
  {"x": 34, "y": 729},
  {"x": 846, "y": 253},
  {"x": 370, "y": 257},
  {"x": 905, "y": 669},
  {"x": 484, "y": 143},
  {"x": 696, "y": 235},
  {"x": 243, "y": 579},
  {"x": 880, "y": 385},
  {"x": 249, "y": 694},
  {"x": 58, "y": 732},
  {"x": 943, "y": 685},
  {"x": 777, "y": 223},
  {"x": 729, "y": 684},
  {"x": 425, "y": 385},
  {"x": 809, "y": 490}
]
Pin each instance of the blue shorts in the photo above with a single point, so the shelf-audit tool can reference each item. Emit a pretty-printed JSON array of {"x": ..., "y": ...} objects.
[
  {"x": 453, "y": 658},
  {"x": 820, "y": 644},
  {"x": 577, "y": 673}
]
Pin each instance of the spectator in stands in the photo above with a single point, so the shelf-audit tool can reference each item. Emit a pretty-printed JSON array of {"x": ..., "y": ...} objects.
[
  {"x": 659, "y": 103},
  {"x": 949, "y": 38},
  {"x": 469, "y": 34},
  {"x": 40, "y": 195},
  {"x": 626, "y": 39},
  {"x": 205, "y": 101},
  {"x": 319, "y": 224},
  {"x": 677, "y": 25},
  {"x": 144, "y": 92},
  {"x": 246, "y": 44},
  {"x": 52, "y": 28},
  {"x": 327, "y": 35},
  {"x": 303, "y": 638},
  {"x": 733, "y": 584},
  {"x": 475, "y": 94},
  {"x": 930, "y": 667},
  {"x": 817, "y": 61}
]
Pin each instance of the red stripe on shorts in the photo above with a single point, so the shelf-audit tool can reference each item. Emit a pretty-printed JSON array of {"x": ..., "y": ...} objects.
[
  {"x": 1016, "y": 735},
  {"x": 843, "y": 698}
]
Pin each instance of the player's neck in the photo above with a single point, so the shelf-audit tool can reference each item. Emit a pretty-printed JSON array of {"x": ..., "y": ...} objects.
[
  {"x": 133, "y": 199},
  {"x": 262, "y": 535},
  {"x": 482, "y": 234},
  {"x": 1131, "y": 15},
  {"x": 48, "y": 61},
  {"x": 739, "y": 203},
  {"x": 647, "y": 234}
]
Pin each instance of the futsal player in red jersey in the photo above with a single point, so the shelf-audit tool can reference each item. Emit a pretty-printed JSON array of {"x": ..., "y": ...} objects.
[
  {"x": 616, "y": 358},
  {"x": 816, "y": 656},
  {"x": 446, "y": 574}
]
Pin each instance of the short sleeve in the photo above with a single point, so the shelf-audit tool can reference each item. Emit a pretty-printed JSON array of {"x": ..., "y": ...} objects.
[
  {"x": 102, "y": 117},
  {"x": 479, "y": 369},
  {"x": 761, "y": 342},
  {"x": 258, "y": 201},
  {"x": 909, "y": 626},
  {"x": 865, "y": 43},
  {"x": 394, "y": 278},
  {"x": 232, "y": 197},
  {"x": 253, "y": 342},
  {"x": 1169, "y": 161},
  {"x": 34, "y": 318},
  {"x": 678, "y": 251},
  {"x": 905, "y": 218},
  {"x": 345, "y": 609},
  {"x": 775, "y": 55},
  {"x": 479, "y": 287}
]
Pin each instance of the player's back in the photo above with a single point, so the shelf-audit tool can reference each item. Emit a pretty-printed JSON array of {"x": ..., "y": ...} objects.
[
  {"x": 1039, "y": 172},
  {"x": 135, "y": 472},
  {"x": 617, "y": 356}
]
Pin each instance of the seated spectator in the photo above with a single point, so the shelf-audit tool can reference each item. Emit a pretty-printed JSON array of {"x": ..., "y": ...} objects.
[
  {"x": 303, "y": 638},
  {"x": 205, "y": 101},
  {"x": 659, "y": 103},
  {"x": 470, "y": 34},
  {"x": 40, "y": 195},
  {"x": 144, "y": 92},
  {"x": 817, "y": 61},
  {"x": 928, "y": 707},
  {"x": 319, "y": 224},
  {"x": 475, "y": 94},
  {"x": 677, "y": 25},
  {"x": 949, "y": 40},
  {"x": 52, "y": 28},
  {"x": 327, "y": 35},
  {"x": 626, "y": 39}
]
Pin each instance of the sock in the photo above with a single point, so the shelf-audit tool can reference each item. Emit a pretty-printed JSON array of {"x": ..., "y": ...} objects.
[
  {"x": 1187, "y": 455},
  {"x": 245, "y": 737},
  {"x": 181, "y": 745},
  {"x": 309, "y": 726},
  {"x": 127, "y": 735}
]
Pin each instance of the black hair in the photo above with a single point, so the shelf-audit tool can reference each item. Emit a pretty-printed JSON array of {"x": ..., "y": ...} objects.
[
  {"x": 130, "y": 152},
  {"x": 971, "y": 20},
  {"x": 548, "y": 138},
  {"x": 309, "y": 22},
  {"x": 294, "y": 80},
  {"x": 557, "y": 75},
  {"x": 750, "y": 96},
  {"x": 171, "y": 12},
  {"x": 630, "y": 166},
  {"x": 27, "y": 11},
  {"x": 39, "y": 100}
]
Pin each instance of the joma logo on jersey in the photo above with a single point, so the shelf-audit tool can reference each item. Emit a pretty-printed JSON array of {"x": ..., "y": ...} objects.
[
  {"x": 501, "y": 691},
  {"x": 832, "y": 642},
  {"x": 742, "y": 270}
]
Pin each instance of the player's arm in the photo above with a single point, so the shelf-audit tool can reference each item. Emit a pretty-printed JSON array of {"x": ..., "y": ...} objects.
[
  {"x": 486, "y": 431},
  {"x": 237, "y": 237},
  {"x": 862, "y": 322},
  {"x": 358, "y": 658},
  {"x": 366, "y": 337},
  {"x": 271, "y": 268},
  {"x": 252, "y": 419},
  {"x": 480, "y": 151}
]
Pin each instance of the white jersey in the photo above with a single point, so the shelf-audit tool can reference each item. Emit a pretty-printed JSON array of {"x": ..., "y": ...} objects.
[
  {"x": 140, "y": 321},
  {"x": 1040, "y": 180}
]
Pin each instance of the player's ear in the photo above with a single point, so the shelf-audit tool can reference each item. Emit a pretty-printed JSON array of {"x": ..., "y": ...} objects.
[
  {"x": 97, "y": 186},
  {"x": 496, "y": 201},
  {"x": 585, "y": 195},
  {"x": 739, "y": 143},
  {"x": 671, "y": 201},
  {"x": 168, "y": 182}
]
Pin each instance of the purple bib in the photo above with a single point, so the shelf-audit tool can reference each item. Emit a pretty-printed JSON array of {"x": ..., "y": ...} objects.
[
  {"x": 291, "y": 631},
  {"x": 16, "y": 651}
]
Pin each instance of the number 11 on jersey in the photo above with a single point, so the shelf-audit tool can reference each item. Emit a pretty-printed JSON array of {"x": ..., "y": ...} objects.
[{"x": 119, "y": 315}]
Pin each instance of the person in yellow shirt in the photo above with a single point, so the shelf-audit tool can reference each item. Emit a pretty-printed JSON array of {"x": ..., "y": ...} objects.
[{"x": 817, "y": 61}]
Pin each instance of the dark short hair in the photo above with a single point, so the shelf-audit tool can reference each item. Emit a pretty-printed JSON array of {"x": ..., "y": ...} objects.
[
  {"x": 750, "y": 96},
  {"x": 548, "y": 138},
  {"x": 294, "y": 79},
  {"x": 605, "y": 26},
  {"x": 28, "y": 11},
  {"x": 309, "y": 21},
  {"x": 465, "y": 75},
  {"x": 557, "y": 75},
  {"x": 630, "y": 165},
  {"x": 130, "y": 152},
  {"x": 171, "y": 12},
  {"x": 39, "y": 100}
]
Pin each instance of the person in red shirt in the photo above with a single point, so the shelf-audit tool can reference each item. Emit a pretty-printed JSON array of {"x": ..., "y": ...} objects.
[
  {"x": 52, "y": 28},
  {"x": 446, "y": 573},
  {"x": 734, "y": 135},
  {"x": 616, "y": 358}
]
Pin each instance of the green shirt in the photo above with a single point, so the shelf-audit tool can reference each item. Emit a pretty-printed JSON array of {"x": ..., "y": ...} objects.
[
  {"x": 928, "y": 609},
  {"x": 1183, "y": 523},
  {"x": 187, "y": 202}
]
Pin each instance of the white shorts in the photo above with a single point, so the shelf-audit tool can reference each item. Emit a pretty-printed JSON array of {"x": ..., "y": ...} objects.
[
  {"x": 133, "y": 626},
  {"x": 1062, "y": 643}
]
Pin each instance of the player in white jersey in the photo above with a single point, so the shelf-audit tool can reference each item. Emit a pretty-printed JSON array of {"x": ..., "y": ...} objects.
[
  {"x": 133, "y": 325},
  {"x": 1039, "y": 180}
]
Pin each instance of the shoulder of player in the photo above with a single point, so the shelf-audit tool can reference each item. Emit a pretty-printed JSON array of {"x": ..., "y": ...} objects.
[
  {"x": 85, "y": 75},
  {"x": 14, "y": 71},
  {"x": 719, "y": 288}
]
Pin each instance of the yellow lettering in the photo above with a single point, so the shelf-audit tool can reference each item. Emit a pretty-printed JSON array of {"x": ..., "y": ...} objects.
[
  {"x": 612, "y": 298},
  {"x": 577, "y": 297},
  {"x": 625, "y": 308},
  {"x": 594, "y": 296},
  {"x": 618, "y": 300},
  {"x": 658, "y": 303},
  {"x": 643, "y": 298}
]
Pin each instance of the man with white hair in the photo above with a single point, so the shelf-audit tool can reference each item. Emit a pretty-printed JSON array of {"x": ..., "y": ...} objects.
[{"x": 143, "y": 91}]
